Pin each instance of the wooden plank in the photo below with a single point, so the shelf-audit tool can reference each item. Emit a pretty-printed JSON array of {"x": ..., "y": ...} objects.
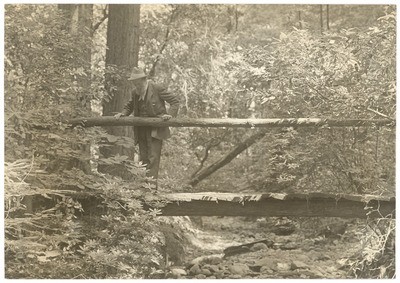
[
  {"x": 228, "y": 122},
  {"x": 272, "y": 204}
]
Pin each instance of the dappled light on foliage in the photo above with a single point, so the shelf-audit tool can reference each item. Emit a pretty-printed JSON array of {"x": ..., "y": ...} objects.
[{"x": 64, "y": 218}]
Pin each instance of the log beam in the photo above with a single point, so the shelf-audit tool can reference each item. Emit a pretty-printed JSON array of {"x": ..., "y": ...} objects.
[
  {"x": 228, "y": 122},
  {"x": 278, "y": 205},
  {"x": 268, "y": 205}
]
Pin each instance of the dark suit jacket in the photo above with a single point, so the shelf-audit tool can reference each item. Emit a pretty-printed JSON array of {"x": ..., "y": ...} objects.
[{"x": 155, "y": 99}]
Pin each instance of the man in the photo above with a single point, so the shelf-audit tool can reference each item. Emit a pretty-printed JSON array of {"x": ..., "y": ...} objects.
[{"x": 148, "y": 100}]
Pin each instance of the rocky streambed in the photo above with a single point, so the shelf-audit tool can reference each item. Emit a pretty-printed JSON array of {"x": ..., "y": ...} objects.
[{"x": 230, "y": 248}]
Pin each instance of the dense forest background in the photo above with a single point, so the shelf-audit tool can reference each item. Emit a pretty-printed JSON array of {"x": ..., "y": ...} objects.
[{"x": 224, "y": 61}]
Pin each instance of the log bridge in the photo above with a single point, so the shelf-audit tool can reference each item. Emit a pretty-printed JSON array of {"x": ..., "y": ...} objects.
[{"x": 278, "y": 205}]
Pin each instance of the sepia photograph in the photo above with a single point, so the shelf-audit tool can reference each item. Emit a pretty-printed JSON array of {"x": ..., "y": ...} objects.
[{"x": 199, "y": 140}]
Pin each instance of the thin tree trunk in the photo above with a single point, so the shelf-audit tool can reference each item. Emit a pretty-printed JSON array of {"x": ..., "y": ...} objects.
[
  {"x": 300, "y": 24},
  {"x": 79, "y": 25},
  {"x": 327, "y": 17},
  {"x": 227, "y": 158},
  {"x": 152, "y": 71},
  {"x": 236, "y": 18},
  {"x": 321, "y": 19}
]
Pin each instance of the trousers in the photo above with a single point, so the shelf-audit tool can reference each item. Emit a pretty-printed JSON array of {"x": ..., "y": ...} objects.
[{"x": 149, "y": 151}]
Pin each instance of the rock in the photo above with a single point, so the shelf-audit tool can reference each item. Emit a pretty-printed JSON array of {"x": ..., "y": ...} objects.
[
  {"x": 206, "y": 272},
  {"x": 215, "y": 260},
  {"x": 242, "y": 260},
  {"x": 283, "y": 229},
  {"x": 298, "y": 265},
  {"x": 178, "y": 272},
  {"x": 219, "y": 274},
  {"x": 331, "y": 269},
  {"x": 201, "y": 276},
  {"x": 334, "y": 230},
  {"x": 213, "y": 268},
  {"x": 289, "y": 246},
  {"x": 195, "y": 270},
  {"x": 342, "y": 263},
  {"x": 198, "y": 220},
  {"x": 212, "y": 277},
  {"x": 308, "y": 242},
  {"x": 283, "y": 266},
  {"x": 235, "y": 276},
  {"x": 323, "y": 257},
  {"x": 239, "y": 269},
  {"x": 258, "y": 247},
  {"x": 303, "y": 257},
  {"x": 210, "y": 259},
  {"x": 262, "y": 222},
  {"x": 158, "y": 274},
  {"x": 307, "y": 249},
  {"x": 266, "y": 262},
  {"x": 266, "y": 270},
  {"x": 315, "y": 274},
  {"x": 226, "y": 274}
]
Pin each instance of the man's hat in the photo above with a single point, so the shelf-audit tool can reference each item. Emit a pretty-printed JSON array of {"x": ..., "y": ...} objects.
[{"x": 137, "y": 73}]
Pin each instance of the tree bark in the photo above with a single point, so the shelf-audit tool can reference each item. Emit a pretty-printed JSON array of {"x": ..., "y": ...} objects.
[
  {"x": 249, "y": 204},
  {"x": 229, "y": 122},
  {"x": 327, "y": 17},
  {"x": 321, "y": 19},
  {"x": 278, "y": 205},
  {"x": 79, "y": 25},
  {"x": 300, "y": 24},
  {"x": 227, "y": 158},
  {"x": 122, "y": 53}
]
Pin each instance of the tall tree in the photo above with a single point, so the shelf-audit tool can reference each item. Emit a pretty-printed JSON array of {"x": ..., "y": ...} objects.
[
  {"x": 78, "y": 22},
  {"x": 121, "y": 55}
]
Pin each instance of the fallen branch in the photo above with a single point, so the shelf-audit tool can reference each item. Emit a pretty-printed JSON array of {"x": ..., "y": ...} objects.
[
  {"x": 245, "y": 248},
  {"x": 227, "y": 158},
  {"x": 379, "y": 113}
]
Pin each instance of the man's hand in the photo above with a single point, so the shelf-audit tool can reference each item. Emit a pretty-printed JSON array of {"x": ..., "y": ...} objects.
[
  {"x": 165, "y": 117},
  {"x": 118, "y": 115}
]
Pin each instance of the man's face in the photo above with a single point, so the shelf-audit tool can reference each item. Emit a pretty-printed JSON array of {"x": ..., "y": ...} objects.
[{"x": 139, "y": 83}]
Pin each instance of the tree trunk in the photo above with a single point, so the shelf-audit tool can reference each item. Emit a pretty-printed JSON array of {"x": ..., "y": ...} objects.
[
  {"x": 227, "y": 122},
  {"x": 327, "y": 17},
  {"x": 278, "y": 205},
  {"x": 299, "y": 16},
  {"x": 251, "y": 204},
  {"x": 227, "y": 158},
  {"x": 321, "y": 19},
  {"x": 122, "y": 53},
  {"x": 79, "y": 25}
]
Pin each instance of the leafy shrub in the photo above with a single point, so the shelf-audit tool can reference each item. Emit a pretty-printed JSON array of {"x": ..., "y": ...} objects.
[{"x": 62, "y": 218}]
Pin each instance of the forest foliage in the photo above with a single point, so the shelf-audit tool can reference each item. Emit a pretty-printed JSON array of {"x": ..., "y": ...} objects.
[{"x": 236, "y": 61}]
